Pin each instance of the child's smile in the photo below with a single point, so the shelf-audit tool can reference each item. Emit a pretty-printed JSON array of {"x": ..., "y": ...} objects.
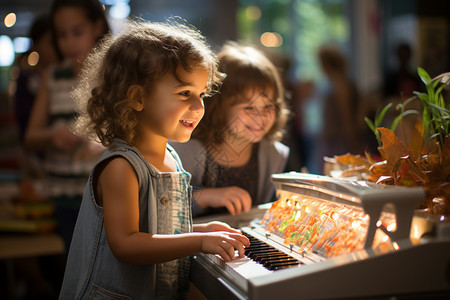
[
  {"x": 253, "y": 119},
  {"x": 175, "y": 106}
]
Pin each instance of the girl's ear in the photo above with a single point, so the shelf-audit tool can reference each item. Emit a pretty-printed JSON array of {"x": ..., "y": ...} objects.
[{"x": 135, "y": 94}]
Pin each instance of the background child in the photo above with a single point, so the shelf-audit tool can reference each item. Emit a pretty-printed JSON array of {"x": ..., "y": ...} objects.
[
  {"x": 77, "y": 26},
  {"x": 134, "y": 231},
  {"x": 30, "y": 76},
  {"x": 235, "y": 149}
]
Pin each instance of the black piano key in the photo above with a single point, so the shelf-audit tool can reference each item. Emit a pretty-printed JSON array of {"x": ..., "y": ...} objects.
[
  {"x": 260, "y": 248},
  {"x": 255, "y": 254},
  {"x": 284, "y": 260},
  {"x": 271, "y": 256},
  {"x": 283, "y": 265},
  {"x": 255, "y": 245},
  {"x": 268, "y": 256}
]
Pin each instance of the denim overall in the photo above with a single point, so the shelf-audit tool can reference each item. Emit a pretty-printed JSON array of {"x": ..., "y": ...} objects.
[{"x": 93, "y": 272}]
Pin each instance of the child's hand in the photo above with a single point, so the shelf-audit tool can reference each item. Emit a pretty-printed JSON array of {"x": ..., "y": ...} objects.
[
  {"x": 224, "y": 244},
  {"x": 234, "y": 198},
  {"x": 214, "y": 226}
]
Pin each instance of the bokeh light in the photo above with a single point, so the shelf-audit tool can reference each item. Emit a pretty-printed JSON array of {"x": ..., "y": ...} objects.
[
  {"x": 253, "y": 12},
  {"x": 21, "y": 44},
  {"x": 271, "y": 39},
  {"x": 120, "y": 11},
  {"x": 6, "y": 51},
  {"x": 33, "y": 58},
  {"x": 10, "y": 19}
]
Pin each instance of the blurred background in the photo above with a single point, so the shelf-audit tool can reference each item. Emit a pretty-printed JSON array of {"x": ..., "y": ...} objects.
[
  {"x": 376, "y": 37},
  {"x": 380, "y": 42}
]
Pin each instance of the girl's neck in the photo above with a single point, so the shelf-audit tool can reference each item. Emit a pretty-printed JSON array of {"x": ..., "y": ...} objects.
[{"x": 155, "y": 152}]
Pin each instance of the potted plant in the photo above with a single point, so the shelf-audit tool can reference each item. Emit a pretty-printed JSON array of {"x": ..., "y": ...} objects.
[{"x": 423, "y": 160}]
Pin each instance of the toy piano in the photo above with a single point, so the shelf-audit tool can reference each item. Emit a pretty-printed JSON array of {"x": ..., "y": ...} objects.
[{"x": 326, "y": 238}]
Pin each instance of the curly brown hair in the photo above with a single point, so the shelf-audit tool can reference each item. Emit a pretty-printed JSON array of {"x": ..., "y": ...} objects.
[
  {"x": 140, "y": 55},
  {"x": 247, "y": 70}
]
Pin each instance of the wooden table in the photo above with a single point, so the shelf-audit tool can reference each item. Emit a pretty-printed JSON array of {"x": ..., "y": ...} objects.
[
  {"x": 16, "y": 246},
  {"x": 30, "y": 245}
]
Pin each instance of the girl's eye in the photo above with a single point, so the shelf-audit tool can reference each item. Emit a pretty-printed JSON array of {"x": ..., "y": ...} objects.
[{"x": 184, "y": 93}]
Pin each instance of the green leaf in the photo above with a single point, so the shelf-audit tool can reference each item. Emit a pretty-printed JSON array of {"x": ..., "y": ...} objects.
[
  {"x": 370, "y": 124},
  {"x": 425, "y": 119},
  {"x": 423, "y": 75},
  {"x": 434, "y": 135},
  {"x": 439, "y": 108},
  {"x": 422, "y": 96},
  {"x": 379, "y": 118},
  {"x": 401, "y": 116},
  {"x": 435, "y": 82},
  {"x": 439, "y": 90}
]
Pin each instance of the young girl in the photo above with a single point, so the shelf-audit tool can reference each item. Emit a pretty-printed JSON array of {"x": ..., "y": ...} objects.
[
  {"x": 235, "y": 149},
  {"x": 134, "y": 231},
  {"x": 77, "y": 26}
]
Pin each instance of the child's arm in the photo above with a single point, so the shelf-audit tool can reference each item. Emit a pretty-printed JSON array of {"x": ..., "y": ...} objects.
[
  {"x": 118, "y": 190},
  {"x": 39, "y": 134},
  {"x": 234, "y": 198}
]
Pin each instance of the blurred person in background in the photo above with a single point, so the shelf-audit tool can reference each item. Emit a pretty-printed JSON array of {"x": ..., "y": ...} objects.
[
  {"x": 32, "y": 66},
  {"x": 401, "y": 82},
  {"x": 340, "y": 106},
  {"x": 77, "y": 27}
]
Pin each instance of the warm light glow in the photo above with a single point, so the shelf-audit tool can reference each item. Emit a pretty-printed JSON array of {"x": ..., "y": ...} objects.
[
  {"x": 307, "y": 210},
  {"x": 385, "y": 239},
  {"x": 335, "y": 216},
  {"x": 253, "y": 12},
  {"x": 298, "y": 214},
  {"x": 378, "y": 223},
  {"x": 356, "y": 224},
  {"x": 396, "y": 246},
  {"x": 271, "y": 39},
  {"x": 10, "y": 20},
  {"x": 33, "y": 58},
  {"x": 391, "y": 227}
]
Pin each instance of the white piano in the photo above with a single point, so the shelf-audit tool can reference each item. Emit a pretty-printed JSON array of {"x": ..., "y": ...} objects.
[{"x": 326, "y": 238}]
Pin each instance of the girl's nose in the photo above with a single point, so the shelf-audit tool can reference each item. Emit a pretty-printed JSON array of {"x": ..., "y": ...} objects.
[{"x": 197, "y": 104}]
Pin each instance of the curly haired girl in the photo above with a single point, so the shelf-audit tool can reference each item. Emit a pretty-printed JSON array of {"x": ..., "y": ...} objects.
[{"x": 140, "y": 90}]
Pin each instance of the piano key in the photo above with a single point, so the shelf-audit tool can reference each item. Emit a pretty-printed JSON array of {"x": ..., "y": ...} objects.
[
  {"x": 261, "y": 252},
  {"x": 269, "y": 256},
  {"x": 282, "y": 265}
]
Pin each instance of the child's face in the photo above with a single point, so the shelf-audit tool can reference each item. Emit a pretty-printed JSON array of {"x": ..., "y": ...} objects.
[
  {"x": 175, "y": 107},
  {"x": 251, "y": 120},
  {"x": 75, "y": 34}
]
